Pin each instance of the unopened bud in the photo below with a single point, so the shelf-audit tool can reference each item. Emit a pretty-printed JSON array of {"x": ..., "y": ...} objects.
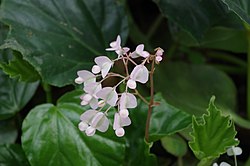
[
  {"x": 131, "y": 84},
  {"x": 96, "y": 69}
]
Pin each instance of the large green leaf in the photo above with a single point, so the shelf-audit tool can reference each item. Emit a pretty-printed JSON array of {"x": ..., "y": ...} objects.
[
  {"x": 240, "y": 7},
  {"x": 51, "y": 137},
  {"x": 189, "y": 87},
  {"x": 194, "y": 16},
  {"x": 11, "y": 155},
  {"x": 60, "y": 37},
  {"x": 14, "y": 95},
  {"x": 166, "y": 119},
  {"x": 212, "y": 135}
]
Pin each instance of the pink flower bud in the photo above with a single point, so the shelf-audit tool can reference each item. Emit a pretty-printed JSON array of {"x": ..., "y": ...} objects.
[
  {"x": 158, "y": 58},
  {"x": 83, "y": 126},
  {"x": 119, "y": 132},
  {"x": 96, "y": 69},
  {"x": 131, "y": 84},
  {"x": 90, "y": 131}
]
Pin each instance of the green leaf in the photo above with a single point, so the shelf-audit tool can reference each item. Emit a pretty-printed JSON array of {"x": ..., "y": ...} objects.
[
  {"x": 8, "y": 131},
  {"x": 12, "y": 155},
  {"x": 212, "y": 135},
  {"x": 201, "y": 16},
  {"x": 240, "y": 8},
  {"x": 20, "y": 68},
  {"x": 188, "y": 87},
  {"x": 14, "y": 95},
  {"x": 60, "y": 37},
  {"x": 65, "y": 144},
  {"x": 175, "y": 145},
  {"x": 166, "y": 119}
]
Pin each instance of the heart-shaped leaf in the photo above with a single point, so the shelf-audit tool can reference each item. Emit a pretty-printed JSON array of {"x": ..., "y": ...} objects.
[
  {"x": 51, "y": 137},
  {"x": 60, "y": 37},
  {"x": 212, "y": 134}
]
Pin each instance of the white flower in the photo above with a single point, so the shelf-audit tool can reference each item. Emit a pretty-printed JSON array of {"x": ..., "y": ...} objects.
[
  {"x": 127, "y": 100},
  {"x": 139, "y": 51},
  {"x": 93, "y": 120},
  {"x": 103, "y": 64},
  {"x": 90, "y": 96},
  {"x": 221, "y": 164},
  {"x": 85, "y": 77},
  {"x": 119, "y": 123},
  {"x": 159, "y": 53},
  {"x": 234, "y": 151},
  {"x": 116, "y": 46},
  {"x": 139, "y": 74},
  {"x": 109, "y": 95}
]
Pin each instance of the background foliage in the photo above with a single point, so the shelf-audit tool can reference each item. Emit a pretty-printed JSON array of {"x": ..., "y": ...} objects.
[{"x": 44, "y": 43}]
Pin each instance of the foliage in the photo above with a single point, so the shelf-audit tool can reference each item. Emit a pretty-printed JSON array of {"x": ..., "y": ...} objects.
[{"x": 44, "y": 43}]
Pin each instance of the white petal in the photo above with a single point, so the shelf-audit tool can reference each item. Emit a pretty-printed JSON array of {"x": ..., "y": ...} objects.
[
  {"x": 117, "y": 122},
  {"x": 88, "y": 115},
  {"x": 131, "y": 84},
  {"x": 96, "y": 69},
  {"x": 139, "y": 74},
  {"x": 139, "y": 49},
  {"x": 109, "y": 95},
  {"x": 128, "y": 100},
  {"x": 87, "y": 97},
  {"x": 79, "y": 80},
  {"x": 234, "y": 151},
  {"x": 158, "y": 58},
  {"x": 90, "y": 131},
  {"x": 125, "y": 49},
  {"x": 118, "y": 40},
  {"x": 125, "y": 121},
  {"x": 120, "y": 132},
  {"x": 86, "y": 76},
  {"x": 94, "y": 103},
  {"x": 83, "y": 126},
  {"x": 145, "y": 54},
  {"x": 100, "y": 60},
  {"x": 134, "y": 55},
  {"x": 215, "y": 164},
  {"x": 100, "y": 122},
  {"x": 224, "y": 164},
  {"x": 105, "y": 68},
  {"x": 123, "y": 113},
  {"x": 92, "y": 88}
]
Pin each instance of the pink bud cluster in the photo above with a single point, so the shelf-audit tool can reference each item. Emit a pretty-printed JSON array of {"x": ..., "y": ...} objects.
[{"x": 99, "y": 97}]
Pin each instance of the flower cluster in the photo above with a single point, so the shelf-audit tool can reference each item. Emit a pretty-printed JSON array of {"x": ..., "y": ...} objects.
[{"x": 99, "y": 97}]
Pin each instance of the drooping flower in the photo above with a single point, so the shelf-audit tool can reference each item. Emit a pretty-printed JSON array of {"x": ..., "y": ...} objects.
[
  {"x": 103, "y": 65},
  {"x": 139, "y": 51},
  {"x": 234, "y": 151},
  {"x": 90, "y": 96},
  {"x": 109, "y": 95},
  {"x": 85, "y": 77},
  {"x": 93, "y": 120},
  {"x": 139, "y": 74},
  {"x": 159, "y": 53},
  {"x": 127, "y": 100},
  {"x": 116, "y": 46},
  {"x": 119, "y": 123}
]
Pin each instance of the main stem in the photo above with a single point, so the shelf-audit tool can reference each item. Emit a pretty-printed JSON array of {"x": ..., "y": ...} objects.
[{"x": 151, "y": 102}]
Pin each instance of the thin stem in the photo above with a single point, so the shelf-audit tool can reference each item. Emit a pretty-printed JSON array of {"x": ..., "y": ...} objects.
[
  {"x": 47, "y": 90},
  {"x": 141, "y": 97},
  {"x": 151, "y": 102},
  {"x": 180, "y": 162},
  {"x": 235, "y": 160}
]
